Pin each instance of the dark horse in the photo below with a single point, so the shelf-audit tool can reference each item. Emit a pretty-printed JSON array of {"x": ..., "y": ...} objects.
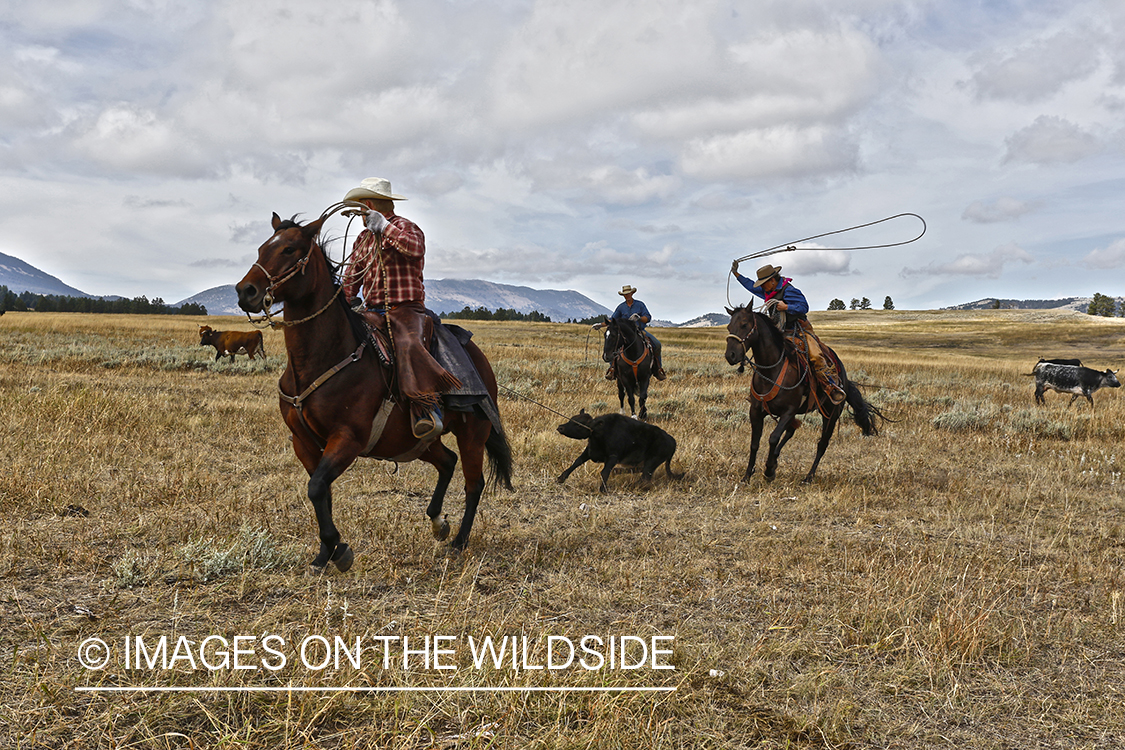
[
  {"x": 335, "y": 393},
  {"x": 783, "y": 386},
  {"x": 627, "y": 348}
]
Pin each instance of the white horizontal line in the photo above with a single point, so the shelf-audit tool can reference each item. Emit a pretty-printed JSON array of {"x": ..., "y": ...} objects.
[{"x": 304, "y": 689}]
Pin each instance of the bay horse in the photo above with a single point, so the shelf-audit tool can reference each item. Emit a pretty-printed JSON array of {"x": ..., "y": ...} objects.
[
  {"x": 627, "y": 348},
  {"x": 336, "y": 397},
  {"x": 784, "y": 386}
]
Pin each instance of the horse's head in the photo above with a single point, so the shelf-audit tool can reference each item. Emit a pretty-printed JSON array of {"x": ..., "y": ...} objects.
[
  {"x": 612, "y": 339},
  {"x": 741, "y": 332},
  {"x": 279, "y": 274}
]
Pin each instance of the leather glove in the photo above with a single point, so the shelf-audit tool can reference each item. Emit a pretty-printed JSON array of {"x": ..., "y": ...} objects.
[
  {"x": 635, "y": 317},
  {"x": 376, "y": 222},
  {"x": 734, "y": 268}
]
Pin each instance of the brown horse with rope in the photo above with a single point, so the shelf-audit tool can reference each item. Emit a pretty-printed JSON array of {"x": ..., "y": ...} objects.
[
  {"x": 783, "y": 386},
  {"x": 337, "y": 396}
]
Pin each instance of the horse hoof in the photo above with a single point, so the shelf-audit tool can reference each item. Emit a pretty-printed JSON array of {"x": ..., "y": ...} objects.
[
  {"x": 440, "y": 528},
  {"x": 768, "y": 477},
  {"x": 317, "y": 570},
  {"x": 343, "y": 558}
]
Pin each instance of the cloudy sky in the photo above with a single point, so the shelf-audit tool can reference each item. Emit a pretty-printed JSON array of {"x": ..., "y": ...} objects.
[{"x": 574, "y": 144}]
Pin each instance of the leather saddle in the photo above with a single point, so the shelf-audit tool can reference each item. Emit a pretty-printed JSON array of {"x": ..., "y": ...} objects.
[{"x": 378, "y": 336}]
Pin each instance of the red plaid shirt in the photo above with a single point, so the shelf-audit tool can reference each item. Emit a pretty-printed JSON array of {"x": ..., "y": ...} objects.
[{"x": 403, "y": 257}]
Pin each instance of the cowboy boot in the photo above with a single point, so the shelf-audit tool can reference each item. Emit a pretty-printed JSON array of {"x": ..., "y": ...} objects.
[
  {"x": 659, "y": 371},
  {"x": 611, "y": 373},
  {"x": 828, "y": 377}
]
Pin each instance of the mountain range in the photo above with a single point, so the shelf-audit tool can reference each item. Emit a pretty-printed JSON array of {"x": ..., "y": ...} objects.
[
  {"x": 1078, "y": 304},
  {"x": 20, "y": 276},
  {"x": 453, "y": 295}
]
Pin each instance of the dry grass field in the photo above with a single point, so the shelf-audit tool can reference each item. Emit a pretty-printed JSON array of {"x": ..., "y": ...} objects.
[{"x": 957, "y": 581}]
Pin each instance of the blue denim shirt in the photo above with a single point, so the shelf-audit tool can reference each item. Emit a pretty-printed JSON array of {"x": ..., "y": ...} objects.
[
  {"x": 790, "y": 294},
  {"x": 624, "y": 311}
]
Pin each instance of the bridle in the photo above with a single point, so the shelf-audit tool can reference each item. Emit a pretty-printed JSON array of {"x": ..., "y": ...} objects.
[
  {"x": 298, "y": 267},
  {"x": 745, "y": 349},
  {"x": 274, "y": 283}
]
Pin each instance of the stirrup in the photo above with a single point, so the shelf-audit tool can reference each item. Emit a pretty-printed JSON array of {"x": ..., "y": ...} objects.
[
  {"x": 427, "y": 425},
  {"x": 660, "y": 374}
]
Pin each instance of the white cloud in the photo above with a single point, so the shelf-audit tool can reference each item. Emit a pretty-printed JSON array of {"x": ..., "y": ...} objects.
[
  {"x": 804, "y": 262},
  {"x": 1110, "y": 257},
  {"x": 129, "y": 139},
  {"x": 553, "y": 141},
  {"x": 990, "y": 265},
  {"x": 1039, "y": 69},
  {"x": 1004, "y": 208},
  {"x": 1050, "y": 140},
  {"x": 770, "y": 153}
]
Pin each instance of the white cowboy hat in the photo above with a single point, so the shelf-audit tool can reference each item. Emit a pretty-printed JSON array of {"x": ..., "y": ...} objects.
[
  {"x": 373, "y": 188},
  {"x": 627, "y": 290}
]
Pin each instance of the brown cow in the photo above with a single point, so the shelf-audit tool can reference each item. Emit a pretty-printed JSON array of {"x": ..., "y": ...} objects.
[{"x": 232, "y": 342}]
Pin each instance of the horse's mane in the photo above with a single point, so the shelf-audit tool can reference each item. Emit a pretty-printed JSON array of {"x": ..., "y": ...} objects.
[{"x": 335, "y": 271}]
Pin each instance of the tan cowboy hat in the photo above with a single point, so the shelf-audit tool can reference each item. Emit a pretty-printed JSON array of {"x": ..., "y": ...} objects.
[
  {"x": 373, "y": 188},
  {"x": 627, "y": 290},
  {"x": 765, "y": 273}
]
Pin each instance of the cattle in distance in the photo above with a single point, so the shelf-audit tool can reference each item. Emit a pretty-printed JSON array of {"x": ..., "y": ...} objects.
[
  {"x": 230, "y": 343},
  {"x": 618, "y": 440},
  {"x": 1073, "y": 379}
]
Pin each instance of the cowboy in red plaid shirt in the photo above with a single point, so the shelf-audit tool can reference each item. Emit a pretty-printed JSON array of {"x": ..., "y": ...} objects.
[{"x": 387, "y": 261}]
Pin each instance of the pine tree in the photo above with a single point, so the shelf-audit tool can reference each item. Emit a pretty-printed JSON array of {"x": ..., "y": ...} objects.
[
  {"x": 1102, "y": 305},
  {"x": 836, "y": 304},
  {"x": 888, "y": 304}
]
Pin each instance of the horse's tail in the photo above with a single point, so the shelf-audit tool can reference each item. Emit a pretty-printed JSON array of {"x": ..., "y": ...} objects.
[
  {"x": 867, "y": 417},
  {"x": 499, "y": 458}
]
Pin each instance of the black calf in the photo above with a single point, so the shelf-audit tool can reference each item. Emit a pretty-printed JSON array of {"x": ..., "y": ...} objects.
[{"x": 614, "y": 439}]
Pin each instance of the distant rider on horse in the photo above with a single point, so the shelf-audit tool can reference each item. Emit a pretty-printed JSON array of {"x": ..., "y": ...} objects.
[
  {"x": 635, "y": 310},
  {"x": 387, "y": 261},
  {"x": 789, "y": 312}
]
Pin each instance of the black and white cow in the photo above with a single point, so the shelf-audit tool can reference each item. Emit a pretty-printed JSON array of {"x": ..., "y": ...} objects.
[{"x": 1078, "y": 381}]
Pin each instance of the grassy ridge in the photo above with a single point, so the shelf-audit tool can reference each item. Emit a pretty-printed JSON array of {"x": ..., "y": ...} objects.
[{"x": 955, "y": 581}]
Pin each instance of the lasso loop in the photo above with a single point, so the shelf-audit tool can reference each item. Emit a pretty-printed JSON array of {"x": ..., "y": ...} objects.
[{"x": 791, "y": 246}]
